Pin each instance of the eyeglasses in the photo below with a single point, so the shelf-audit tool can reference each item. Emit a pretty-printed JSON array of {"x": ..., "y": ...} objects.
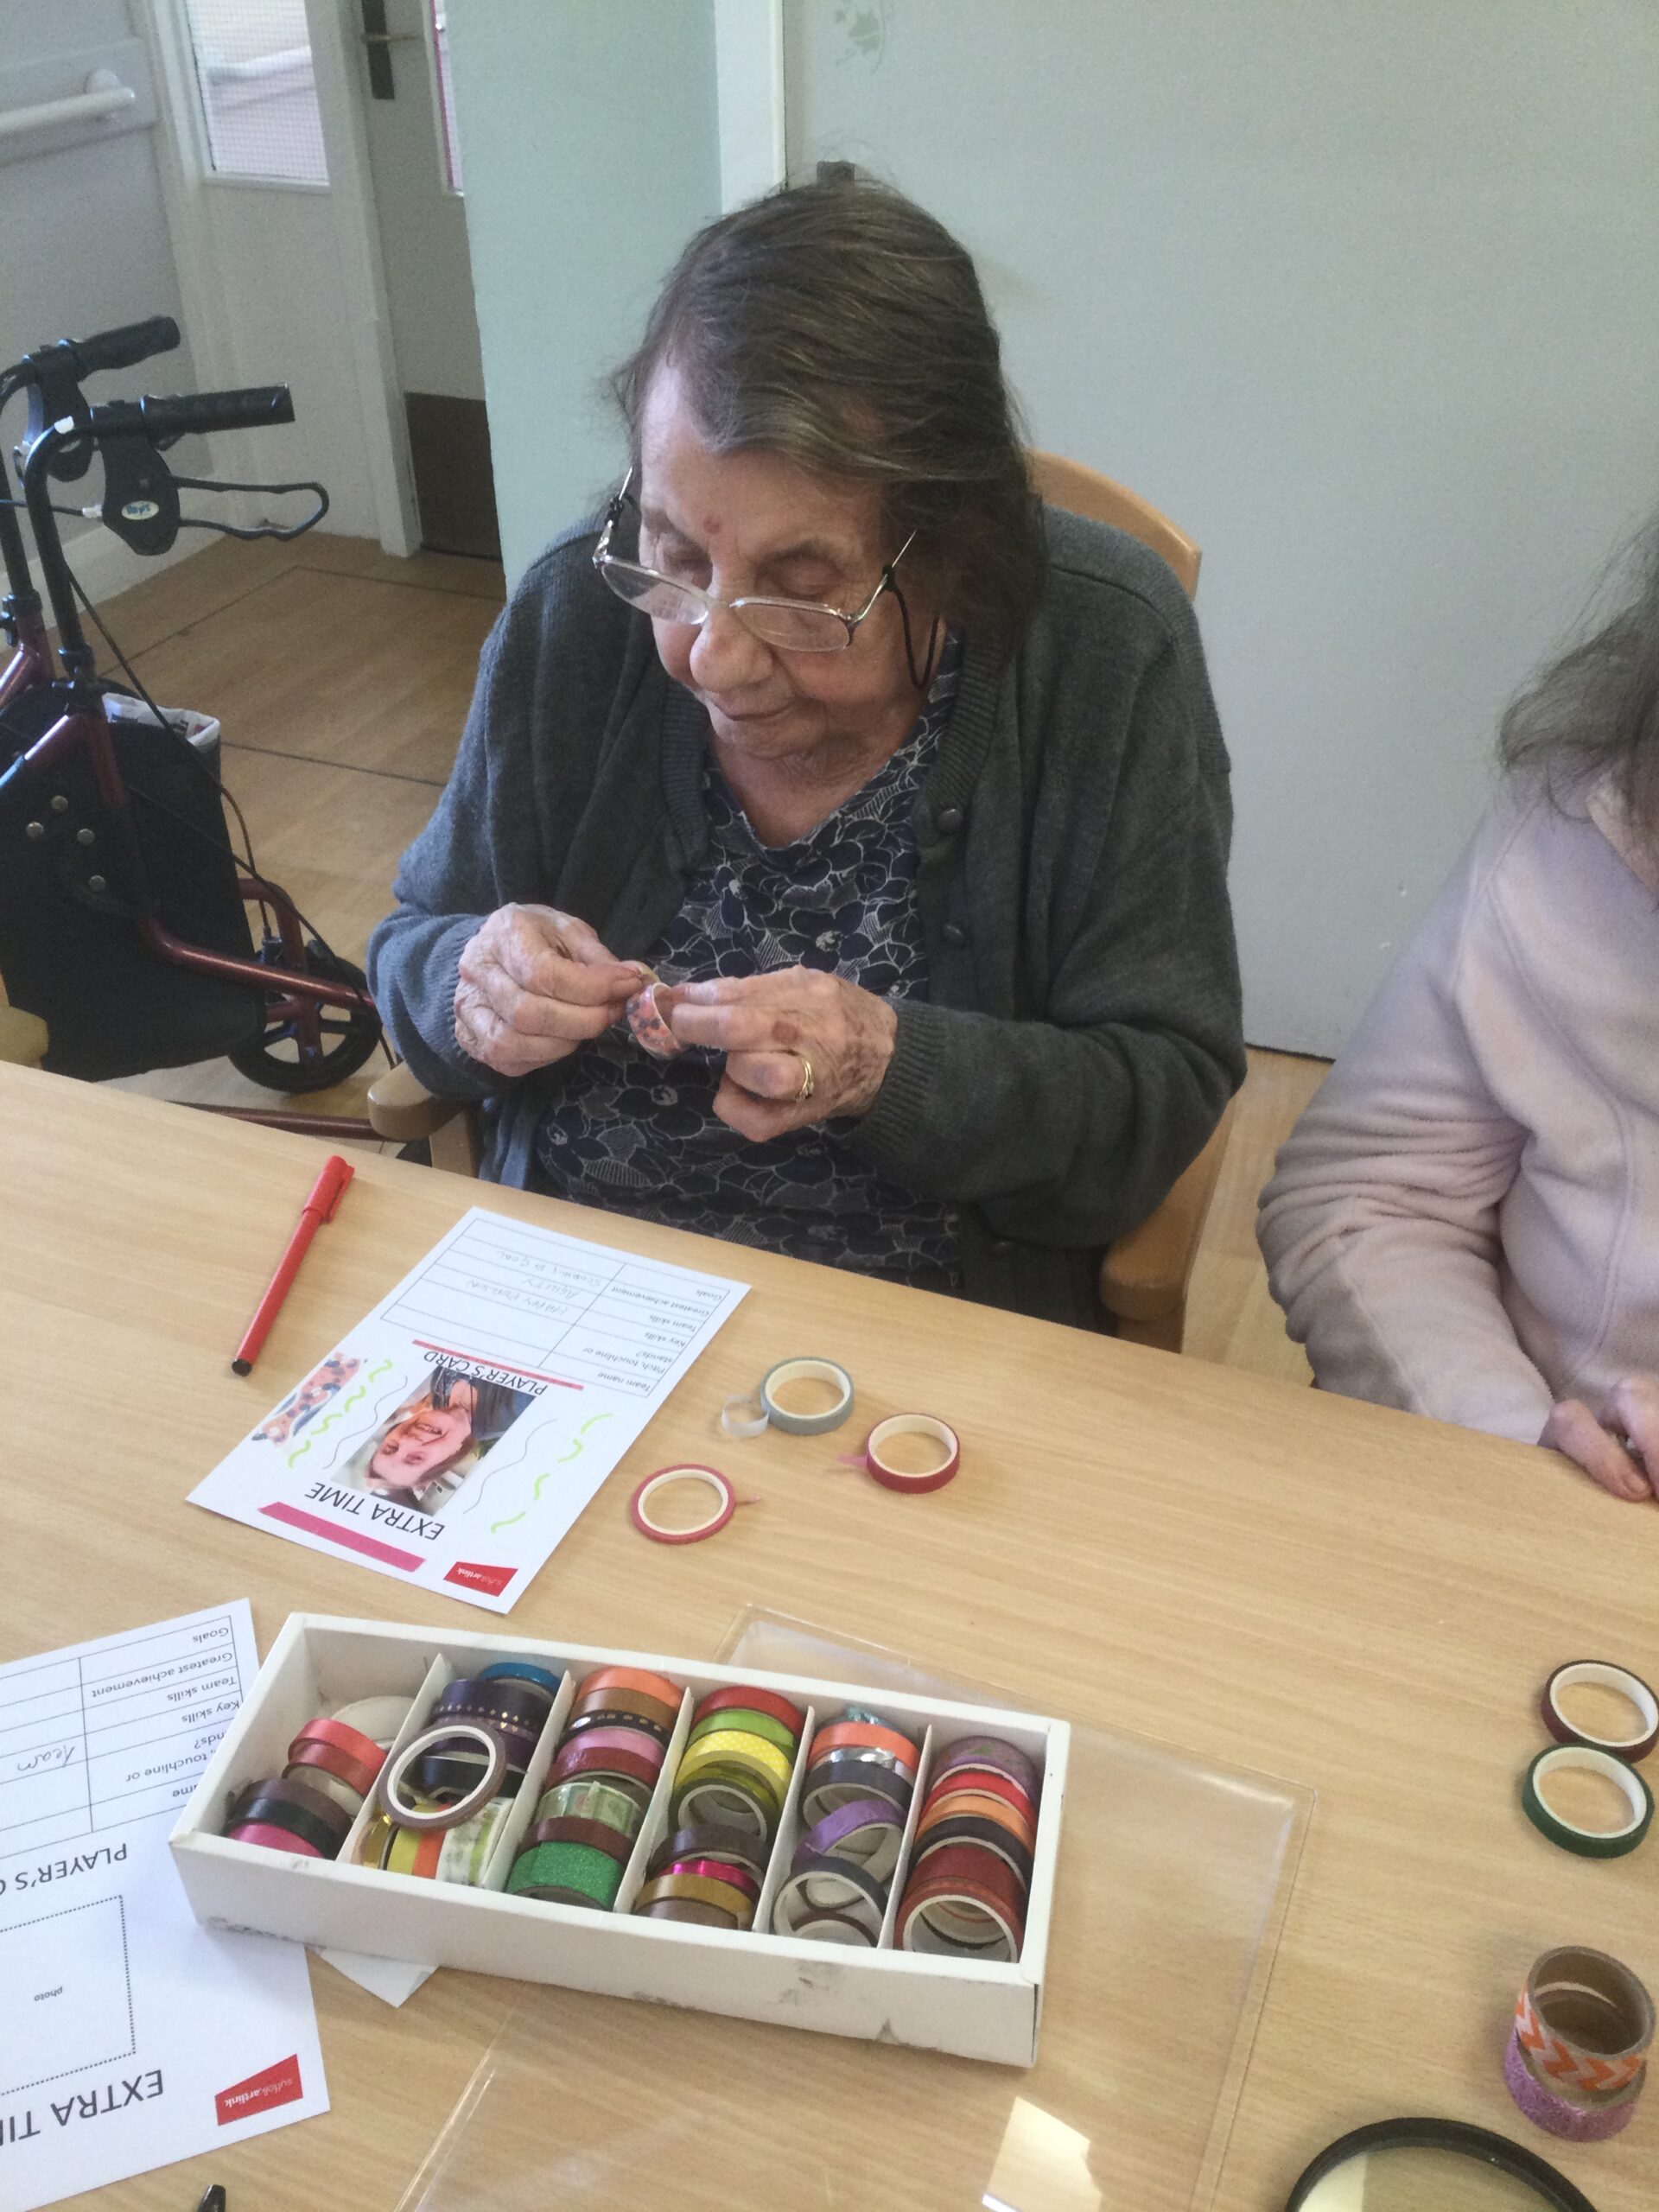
[{"x": 796, "y": 625}]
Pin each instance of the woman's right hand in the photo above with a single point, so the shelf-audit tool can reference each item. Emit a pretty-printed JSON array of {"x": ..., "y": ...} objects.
[
  {"x": 534, "y": 985},
  {"x": 1620, "y": 1451}
]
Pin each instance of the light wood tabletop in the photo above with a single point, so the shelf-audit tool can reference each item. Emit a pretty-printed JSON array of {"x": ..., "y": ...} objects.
[{"x": 1258, "y": 1575}]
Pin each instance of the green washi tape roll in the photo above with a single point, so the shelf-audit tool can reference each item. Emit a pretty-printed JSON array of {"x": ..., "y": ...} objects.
[
  {"x": 1587, "y": 1843},
  {"x": 746, "y": 1724},
  {"x": 593, "y": 1874}
]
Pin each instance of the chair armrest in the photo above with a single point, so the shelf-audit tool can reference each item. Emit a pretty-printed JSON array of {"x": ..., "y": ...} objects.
[
  {"x": 23, "y": 1036},
  {"x": 1144, "y": 1274},
  {"x": 403, "y": 1111}
]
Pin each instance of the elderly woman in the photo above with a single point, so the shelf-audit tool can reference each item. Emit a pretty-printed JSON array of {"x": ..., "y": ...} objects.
[
  {"x": 910, "y": 795},
  {"x": 1465, "y": 1221}
]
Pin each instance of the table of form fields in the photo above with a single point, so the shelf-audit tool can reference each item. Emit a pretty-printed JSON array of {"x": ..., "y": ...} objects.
[
  {"x": 555, "y": 1307},
  {"x": 99, "y": 1738}
]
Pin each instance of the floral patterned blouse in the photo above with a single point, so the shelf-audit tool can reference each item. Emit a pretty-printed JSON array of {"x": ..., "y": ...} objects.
[{"x": 638, "y": 1135}]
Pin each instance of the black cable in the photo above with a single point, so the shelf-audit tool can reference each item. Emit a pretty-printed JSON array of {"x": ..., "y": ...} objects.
[
  {"x": 245, "y": 857},
  {"x": 267, "y": 530},
  {"x": 204, "y": 522}
]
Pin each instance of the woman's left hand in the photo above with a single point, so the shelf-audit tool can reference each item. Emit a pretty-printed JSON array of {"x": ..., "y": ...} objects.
[
  {"x": 773, "y": 1029},
  {"x": 1620, "y": 1450}
]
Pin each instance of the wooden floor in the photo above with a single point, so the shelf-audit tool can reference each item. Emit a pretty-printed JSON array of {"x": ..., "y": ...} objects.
[{"x": 340, "y": 677}]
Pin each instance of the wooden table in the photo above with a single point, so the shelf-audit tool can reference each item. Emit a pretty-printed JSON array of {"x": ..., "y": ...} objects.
[{"x": 1264, "y": 1577}]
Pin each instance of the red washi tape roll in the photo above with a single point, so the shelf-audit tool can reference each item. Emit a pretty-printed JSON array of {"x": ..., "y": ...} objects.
[
  {"x": 878, "y": 1445},
  {"x": 719, "y": 1513},
  {"x": 1599, "y": 1674}
]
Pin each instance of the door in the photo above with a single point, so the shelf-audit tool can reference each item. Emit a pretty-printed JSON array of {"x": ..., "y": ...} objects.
[
  {"x": 415, "y": 160},
  {"x": 1363, "y": 297}
]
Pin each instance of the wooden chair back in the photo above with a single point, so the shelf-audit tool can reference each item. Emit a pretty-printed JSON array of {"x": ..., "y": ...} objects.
[{"x": 1083, "y": 491}]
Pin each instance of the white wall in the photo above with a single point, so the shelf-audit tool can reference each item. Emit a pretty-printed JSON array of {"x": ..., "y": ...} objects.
[
  {"x": 1365, "y": 296},
  {"x": 591, "y": 150}
]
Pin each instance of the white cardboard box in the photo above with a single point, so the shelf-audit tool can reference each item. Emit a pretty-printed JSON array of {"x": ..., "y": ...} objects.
[{"x": 318, "y": 1664}]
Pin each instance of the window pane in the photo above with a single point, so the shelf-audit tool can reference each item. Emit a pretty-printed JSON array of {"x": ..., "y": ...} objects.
[
  {"x": 253, "y": 63},
  {"x": 446, "y": 96}
]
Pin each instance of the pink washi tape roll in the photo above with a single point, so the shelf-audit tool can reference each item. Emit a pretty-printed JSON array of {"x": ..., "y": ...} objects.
[
  {"x": 270, "y": 1839},
  {"x": 720, "y": 1511},
  {"x": 878, "y": 1451},
  {"x": 648, "y": 1027},
  {"x": 1575, "y": 2119}
]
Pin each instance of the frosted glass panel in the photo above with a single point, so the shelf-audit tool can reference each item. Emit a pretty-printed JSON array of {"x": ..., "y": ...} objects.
[{"x": 258, "y": 97}]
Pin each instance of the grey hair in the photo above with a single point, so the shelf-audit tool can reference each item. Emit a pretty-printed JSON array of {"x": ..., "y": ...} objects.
[
  {"x": 1594, "y": 711},
  {"x": 839, "y": 325}
]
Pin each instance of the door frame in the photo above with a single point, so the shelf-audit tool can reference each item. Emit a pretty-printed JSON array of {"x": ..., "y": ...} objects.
[
  {"x": 188, "y": 176},
  {"x": 749, "y": 71},
  {"x": 749, "y": 96}
]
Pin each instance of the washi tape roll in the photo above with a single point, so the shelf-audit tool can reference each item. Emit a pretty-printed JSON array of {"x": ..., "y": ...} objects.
[
  {"x": 648, "y": 1026},
  {"x": 829, "y": 1885},
  {"x": 736, "y": 1845},
  {"x": 1587, "y": 1843},
  {"x": 748, "y": 1722},
  {"x": 591, "y": 1800},
  {"x": 970, "y": 1910},
  {"x": 868, "y": 1833},
  {"x": 523, "y": 1670},
  {"x": 1584, "y": 2020},
  {"x": 744, "y": 1415},
  {"x": 270, "y": 1838},
  {"x": 719, "y": 1515},
  {"x": 1575, "y": 2120},
  {"x": 995, "y": 1754},
  {"x": 378, "y": 1718},
  {"x": 878, "y": 1445},
  {"x": 463, "y": 1851},
  {"x": 736, "y": 1695},
  {"x": 806, "y": 1371},
  {"x": 844, "y": 1778},
  {"x": 566, "y": 1873},
  {"x": 389, "y": 1787},
  {"x": 720, "y": 1896},
  {"x": 824, "y": 1927},
  {"x": 596, "y": 1835},
  {"x": 630, "y": 1678},
  {"x": 1599, "y": 1673},
  {"x": 306, "y": 1813}
]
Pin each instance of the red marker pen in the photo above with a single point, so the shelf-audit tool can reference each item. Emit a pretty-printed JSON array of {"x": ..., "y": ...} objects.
[{"x": 322, "y": 1205}]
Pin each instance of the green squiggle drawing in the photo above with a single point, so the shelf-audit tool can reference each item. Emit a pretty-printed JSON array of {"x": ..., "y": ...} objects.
[
  {"x": 339, "y": 1412},
  {"x": 546, "y": 1475}
]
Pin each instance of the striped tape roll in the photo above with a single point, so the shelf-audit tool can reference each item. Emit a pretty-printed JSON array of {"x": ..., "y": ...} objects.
[{"x": 1584, "y": 2021}]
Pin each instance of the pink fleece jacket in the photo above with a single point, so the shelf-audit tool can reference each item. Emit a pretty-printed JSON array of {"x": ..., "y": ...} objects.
[{"x": 1464, "y": 1222}]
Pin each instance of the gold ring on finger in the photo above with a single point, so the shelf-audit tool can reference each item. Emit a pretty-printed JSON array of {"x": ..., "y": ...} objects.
[{"x": 807, "y": 1086}]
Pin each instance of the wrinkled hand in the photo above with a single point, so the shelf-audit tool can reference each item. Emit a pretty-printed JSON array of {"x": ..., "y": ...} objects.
[
  {"x": 534, "y": 984},
  {"x": 1620, "y": 1451},
  {"x": 771, "y": 1027}
]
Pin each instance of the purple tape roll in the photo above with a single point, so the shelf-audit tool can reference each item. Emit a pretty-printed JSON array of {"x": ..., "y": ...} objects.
[
  {"x": 992, "y": 1753},
  {"x": 1574, "y": 2122},
  {"x": 869, "y": 1832}
]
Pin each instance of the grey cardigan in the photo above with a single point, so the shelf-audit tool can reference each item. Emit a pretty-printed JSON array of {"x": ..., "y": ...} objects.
[{"x": 1081, "y": 1035}]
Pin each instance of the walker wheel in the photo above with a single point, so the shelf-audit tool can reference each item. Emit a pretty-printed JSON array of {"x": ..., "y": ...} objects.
[{"x": 297, "y": 1054}]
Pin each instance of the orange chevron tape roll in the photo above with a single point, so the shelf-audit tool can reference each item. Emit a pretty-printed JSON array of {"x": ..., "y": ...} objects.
[{"x": 1585, "y": 2020}]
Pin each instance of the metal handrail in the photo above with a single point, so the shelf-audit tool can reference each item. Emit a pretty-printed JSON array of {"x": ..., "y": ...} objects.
[{"x": 105, "y": 95}]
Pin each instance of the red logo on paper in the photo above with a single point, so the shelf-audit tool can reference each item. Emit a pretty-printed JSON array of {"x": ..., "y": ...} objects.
[
  {"x": 492, "y": 1578},
  {"x": 277, "y": 2085}
]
